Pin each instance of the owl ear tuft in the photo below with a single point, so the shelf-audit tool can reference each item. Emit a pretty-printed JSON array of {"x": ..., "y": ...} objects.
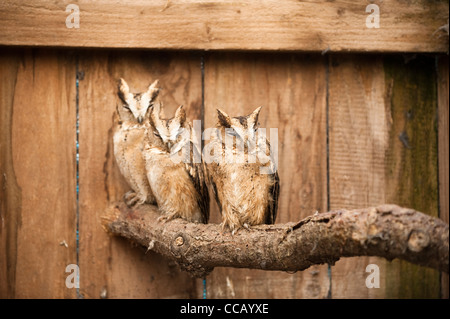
[
  {"x": 153, "y": 90},
  {"x": 124, "y": 90},
  {"x": 253, "y": 117},
  {"x": 180, "y": 115},
  {"x": 224, "y": 118},
  {"x": 117, "y": 115}
]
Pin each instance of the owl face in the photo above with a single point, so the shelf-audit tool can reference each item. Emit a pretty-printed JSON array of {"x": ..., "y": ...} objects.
[
  {"x": 241, "y": 127},
  {"x": 168, "y": 130},
  {"x": 136, "y": 106}
]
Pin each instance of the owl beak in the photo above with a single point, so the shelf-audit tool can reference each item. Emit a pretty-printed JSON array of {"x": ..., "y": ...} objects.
[{"x": 140, "y": 119}]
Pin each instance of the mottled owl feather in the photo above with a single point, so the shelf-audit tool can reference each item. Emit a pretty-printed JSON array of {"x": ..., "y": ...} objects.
[
  {"x": 179, "y": 185},
  {"x": 273, "y": 204},
  {"x": 245, "y": 194},
  {"x": 197, "y": 172},
  {"x": 128, "y": 140}
]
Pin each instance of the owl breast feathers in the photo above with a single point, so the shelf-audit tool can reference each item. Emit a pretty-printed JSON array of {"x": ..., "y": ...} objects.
[{"x": 246, "y": 194}]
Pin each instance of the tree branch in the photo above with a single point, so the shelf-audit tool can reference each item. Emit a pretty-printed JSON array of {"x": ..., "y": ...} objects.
[{"x": 387, "y": 231}]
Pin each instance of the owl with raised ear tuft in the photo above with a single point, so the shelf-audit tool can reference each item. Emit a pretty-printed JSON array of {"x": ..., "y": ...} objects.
[
  {"x": 129, "y": 136},
  {"x": 245, "y": 184},
  {"x": 178, "y": 181}
]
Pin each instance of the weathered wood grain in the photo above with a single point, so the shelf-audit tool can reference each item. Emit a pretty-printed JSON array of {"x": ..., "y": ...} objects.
[
  {"x": 443, "y": 145},
  {"x": 10, "y": 193},
  {"x": 228, "y": 25},
  {"x": 38, "y": 173},
  {"x": 443, "y": 135},
  {"x": 382, "y": 114},
  {"x": 358, "y": 139},
  {"x": 412, "y": 161},
  {"x": 291, "y": 89},
  {"x": 107, "y": 264}
]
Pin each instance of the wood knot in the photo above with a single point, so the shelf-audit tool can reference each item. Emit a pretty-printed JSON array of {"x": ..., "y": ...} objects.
[
  {"x": 179, "y": 245},
  {"x": 418, "y": 240},
  {"x": 179, "y": 241}
]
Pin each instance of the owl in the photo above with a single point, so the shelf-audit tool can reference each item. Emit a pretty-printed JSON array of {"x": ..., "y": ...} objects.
[
  {"x": 178, "y": 184},
  {"x": 128, "y": 140},
  {"x": 246, "y": 194}
]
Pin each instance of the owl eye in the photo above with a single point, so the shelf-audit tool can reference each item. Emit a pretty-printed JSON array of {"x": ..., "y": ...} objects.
[
  {"x": 156, "y": 134},
  {"x": 125, "y": 106}
]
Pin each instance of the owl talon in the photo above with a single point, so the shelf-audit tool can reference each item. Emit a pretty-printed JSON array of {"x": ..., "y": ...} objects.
[
  {"x": 130, "y": 198},
  {"x": 165, "y": 218},
  {"x": 129, "y": 195},
  {"x": 224, "y": 229},
  {"x": 131, "y": 202},
  {"x": 133, "y": 199},
  {"x": 162, "y": 219}
]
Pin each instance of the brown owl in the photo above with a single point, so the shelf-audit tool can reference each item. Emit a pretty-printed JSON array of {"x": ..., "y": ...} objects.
[
  {"x": 129, "y": 137},
  {"x": 246, "y": 194},
  {"x": 178, "y": 184}
]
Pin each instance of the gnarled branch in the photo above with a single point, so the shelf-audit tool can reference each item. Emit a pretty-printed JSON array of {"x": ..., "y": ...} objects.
[{"x": 387, "y": 231}]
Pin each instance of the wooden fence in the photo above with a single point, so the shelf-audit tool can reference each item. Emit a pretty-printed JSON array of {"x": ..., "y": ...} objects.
[{"x": 354, "y": 130}]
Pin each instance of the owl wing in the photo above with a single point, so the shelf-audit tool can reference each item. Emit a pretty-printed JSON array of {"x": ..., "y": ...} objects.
[
  {"x": 214, "y": 190},
  {"x": 198, "y": 176},
  {"x": 274, "y": 192}
]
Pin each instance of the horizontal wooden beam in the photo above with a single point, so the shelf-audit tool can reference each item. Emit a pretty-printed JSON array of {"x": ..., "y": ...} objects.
[{"x": 286, "y": 25}]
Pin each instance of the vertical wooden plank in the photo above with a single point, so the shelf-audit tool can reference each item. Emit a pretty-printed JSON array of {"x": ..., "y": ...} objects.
[
  {"x": 292, "y": 91},
  {"x": 40, "y": 150},
  {"x": 112, "y": 266},
  {"x": 358, "y": 139},
  {"x": 443, "y": 151},
  {"x": 10, "y": 193},
  {"x": 412, "y": 161},
  {"x": 443, "y": 135},
  {"x": 382, "y": 149}
]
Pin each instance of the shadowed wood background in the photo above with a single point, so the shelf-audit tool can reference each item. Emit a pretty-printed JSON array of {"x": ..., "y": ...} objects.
[{"x": 354, "y": 130}]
